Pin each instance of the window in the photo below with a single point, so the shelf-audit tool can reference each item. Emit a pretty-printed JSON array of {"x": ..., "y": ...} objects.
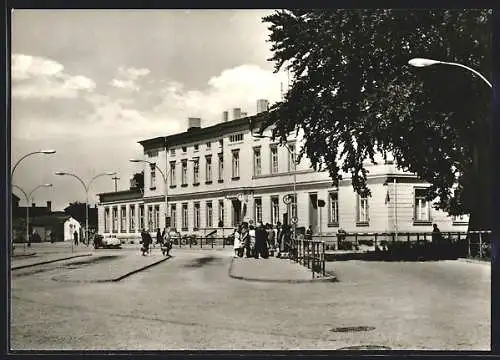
[
  {"x": 291, "y": 157},
  {"x": 150, "y": 218},
  {"x": 460, "y": 219},
  {"x": 196, "y": 171},
  {"x": 257, "y": 162},
  {"x": 131, "y": 214},
  {"x": 274, "y": 159},
  {"x": 172, "y": 173},
  {"x": 106, "y": 219},
  {"x": 209, "y": 145},
  {"x": 196, "y": 147},
  {"x": 235, "y": 138},
  {"x": 209, "y": 214},
  {"x": 362, "y": 215},
  {"x": 152, "y": 153},
  {"x": 236, "y": 164},
  {"x": 141, "y": 217},
  {"x": 115, "y": 219},
  {"x": 152, "y": 184},
  {"x": 196, "y": 214},
  {"x": 123, "y": 219},
  {"x": 172, "y": 152},
  {"x": 333, "y": 208},
  {"x": 292, "y": 208},
  {"x": 184, "y": 149},
  {"x": 156, "y": 224},
  {"x": 173, "y": 216},
  {"x": 221, "y": 167},
  {"x": 422, "y": 206},
  {"x": 275, "y": 210},
  {"x": 221, "y": 213},
  {"x": 184, "y": 172},
  {"x": 258, "y": 209},
  {"x": 208, "y": 169},
  {"x": 184, "y": 215}
]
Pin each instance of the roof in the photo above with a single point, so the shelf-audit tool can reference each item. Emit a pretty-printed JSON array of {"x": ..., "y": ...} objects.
[
  {"x": 49, "y": 219},
  {"x": 129, "y": 194},
  {"x": 198, "y": 134}
]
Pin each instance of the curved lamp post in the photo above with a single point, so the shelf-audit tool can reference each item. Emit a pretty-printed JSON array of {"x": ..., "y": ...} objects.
[
  {"x": 28, "y": 196},
  {"x": 164, "y": 182},
  {"x": 47, "y": 152},
  {"x": 294, "y": 203},
  {"x": 86, "y": 187},
  {"x": 421, "y": 62}
]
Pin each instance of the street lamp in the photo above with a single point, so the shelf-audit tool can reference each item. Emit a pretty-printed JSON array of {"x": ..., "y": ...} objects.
[
  {"x": 86, "y": 188},
  {"x": 164, "y": 182},
  {"x": 294, "y": 203},
  {"x": 421, "y": 62},
  {"x": 28, "y": 196}
]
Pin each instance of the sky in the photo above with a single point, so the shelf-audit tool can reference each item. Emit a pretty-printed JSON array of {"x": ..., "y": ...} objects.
[{"x": 92, "y": 83}]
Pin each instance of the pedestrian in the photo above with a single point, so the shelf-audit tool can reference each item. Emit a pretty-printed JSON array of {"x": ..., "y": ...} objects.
[
  {"x": 308, "y": 235},
  {"x": 245, "y": 239},
  {"x": 251, "y": 234},
  {"x": 145, "y": 241},
  {"x": 261, "y": 248},
  {"x": 436, "y": 234},
  {"x": 75, "y": 237},
  {"x": 237, "y": 244},
  {"x": 271, "y": 239},
  {"x": 159, "y": 237},
  {"x": 278, "y": 230},
  {"x": 166, "y": 241}
]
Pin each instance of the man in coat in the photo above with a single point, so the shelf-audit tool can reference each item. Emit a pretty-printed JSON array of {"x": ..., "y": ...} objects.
[{"x": 261, "y": 242}]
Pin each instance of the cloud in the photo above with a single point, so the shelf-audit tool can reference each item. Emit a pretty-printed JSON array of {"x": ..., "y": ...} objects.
[
  {"x": 36, "y": 77},
  {"x": 127, "y": 78}
]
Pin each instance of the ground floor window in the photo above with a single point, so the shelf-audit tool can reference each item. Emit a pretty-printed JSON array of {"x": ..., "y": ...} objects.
[
  {"x": 150, "y": 218},
  {"x": 123, "y": 219},
  {"x": 141, "y": 217},
  {"x": 184, "y": 217},
  {"x": 221, "y": 213},
  {"x": 209, "y": 214},
  {"x": 362, "y": 210},
  {"x": 106, "y": 219},
  {"x": 157, "y": 217},
  {"x": 115, "y": 219},
  {"x": 333, "y": 207},
  {"x": 196, "y": 214},
  {"x": 131, "y": 215},
  {"x": 258, "y": 209},
  {"x": 275, "y": 210},
  {"x": 173, "y": 216}
]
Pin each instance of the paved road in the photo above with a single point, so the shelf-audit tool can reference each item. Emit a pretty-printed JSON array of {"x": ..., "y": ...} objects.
[{"x": 189, "y": 302}]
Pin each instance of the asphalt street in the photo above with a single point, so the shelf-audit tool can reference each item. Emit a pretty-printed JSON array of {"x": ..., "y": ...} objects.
[{"x": 190, "y": 302}]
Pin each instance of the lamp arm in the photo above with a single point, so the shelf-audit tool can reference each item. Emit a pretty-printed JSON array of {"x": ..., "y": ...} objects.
[{"x": 470, "y": 69}]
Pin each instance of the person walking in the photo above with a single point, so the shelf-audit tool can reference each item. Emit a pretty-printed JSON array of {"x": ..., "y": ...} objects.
[
  {"x": 75, "y": 237},
  {"x": 260, "y": 242},
  {"x": 166, "y": 241},
  {"x": 245, "y": 239},
  {"x": 145, "y": 241},
  {"x": 271, "y": 239},
  {"x": 159, "y": 237},
  {"x": 237, "y": 244}
]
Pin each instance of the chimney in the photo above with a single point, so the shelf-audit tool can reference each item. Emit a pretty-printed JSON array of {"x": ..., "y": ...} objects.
[
  {"x": 236, "y": 113},
  {"x": 262, "y": 105},
  {"x": 194, "y": 123},
  {"x": 49, "y": 206},
  {"x": 225, "y": 116}
]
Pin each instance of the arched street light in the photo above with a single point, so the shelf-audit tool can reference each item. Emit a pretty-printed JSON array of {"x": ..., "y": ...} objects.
[
  {"x": 27, "y": 197},
  {"x": 164, "y": 176},
  {"x": 421, "y": 62},
  {"x": 47, "y": 152},
  {"x": 86, "y": 187}
]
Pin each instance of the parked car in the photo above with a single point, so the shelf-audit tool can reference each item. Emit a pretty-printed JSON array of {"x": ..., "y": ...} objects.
[{"x": 109, "y": 241}]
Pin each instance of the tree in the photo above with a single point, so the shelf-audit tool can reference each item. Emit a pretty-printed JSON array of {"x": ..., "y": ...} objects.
[
  {"x": 137, "y": 181},
  {"x": 353, "y": 95}
]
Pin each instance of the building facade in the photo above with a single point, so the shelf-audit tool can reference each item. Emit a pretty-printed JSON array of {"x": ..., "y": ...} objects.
[{"x": 219, "y": 176}]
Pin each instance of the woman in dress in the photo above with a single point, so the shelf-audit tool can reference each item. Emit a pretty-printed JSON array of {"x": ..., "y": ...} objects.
[{"x": 237, "y": 245}]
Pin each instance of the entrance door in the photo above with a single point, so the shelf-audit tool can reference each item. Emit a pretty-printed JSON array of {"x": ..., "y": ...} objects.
[
  {"x": 236, "y": 212},
  {"x": 313, "y": 211}
]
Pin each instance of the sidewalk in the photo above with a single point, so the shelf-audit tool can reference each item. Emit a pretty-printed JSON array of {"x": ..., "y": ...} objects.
[
  {"x": 110, "y": 268},
  {"x": 273, "y": 270},
  {"x": 34, "y": 259}
]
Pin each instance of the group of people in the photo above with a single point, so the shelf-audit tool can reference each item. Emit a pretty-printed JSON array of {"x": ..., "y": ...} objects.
[
  {"x": 162, "y": 239},
  {"x": 261, "y": 240}
]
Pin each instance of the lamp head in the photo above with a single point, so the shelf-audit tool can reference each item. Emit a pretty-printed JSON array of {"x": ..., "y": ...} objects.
[
  {"x": 421, "y": 62},
  {"x": 111, "y": 173},
  {"x": 60, "y": 173},
  {"x": 135, "y": 160},
  {"x": 47, "y": 185},
  {"x": 48, "y": 151}
]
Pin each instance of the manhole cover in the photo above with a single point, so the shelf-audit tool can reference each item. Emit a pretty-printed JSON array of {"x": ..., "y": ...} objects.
[
  {"x": 353, "y": 329},
  {"x": 366, "y": 347}
]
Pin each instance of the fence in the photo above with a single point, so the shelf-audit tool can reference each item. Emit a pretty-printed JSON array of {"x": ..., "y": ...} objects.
[
  {"x": 310, "y": 253},
  {"x": 474, "y": 244}
]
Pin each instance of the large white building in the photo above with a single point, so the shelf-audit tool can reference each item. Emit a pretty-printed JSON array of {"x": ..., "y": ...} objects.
[{"x": 220, "y": 175}]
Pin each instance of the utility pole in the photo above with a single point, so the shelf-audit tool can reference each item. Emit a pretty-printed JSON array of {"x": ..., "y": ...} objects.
[{"x": 115, "y": 178}]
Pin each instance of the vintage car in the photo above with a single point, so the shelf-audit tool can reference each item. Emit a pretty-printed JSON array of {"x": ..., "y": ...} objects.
[{"x": 108, "y": 241}]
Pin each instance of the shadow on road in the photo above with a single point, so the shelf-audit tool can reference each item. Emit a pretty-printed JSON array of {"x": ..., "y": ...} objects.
[
  {"x": 206, "y": 260},
  {"x": 386, "y": 256}
]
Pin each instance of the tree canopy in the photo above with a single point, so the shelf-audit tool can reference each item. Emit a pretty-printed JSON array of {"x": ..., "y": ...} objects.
[{"x": 353, "y": 94}]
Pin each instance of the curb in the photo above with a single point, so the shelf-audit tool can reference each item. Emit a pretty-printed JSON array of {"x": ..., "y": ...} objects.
[
  {"x": 474, "y": 261},
  {"x": 116, "y": 279},
  {"x": 48, "y": 262},
  {"x": 330, "y": 278}
]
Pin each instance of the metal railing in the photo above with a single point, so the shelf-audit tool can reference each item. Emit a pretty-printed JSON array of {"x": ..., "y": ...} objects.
[
  {"x": 472, "y": 244},
  {"x": 311, "y": 254}
]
